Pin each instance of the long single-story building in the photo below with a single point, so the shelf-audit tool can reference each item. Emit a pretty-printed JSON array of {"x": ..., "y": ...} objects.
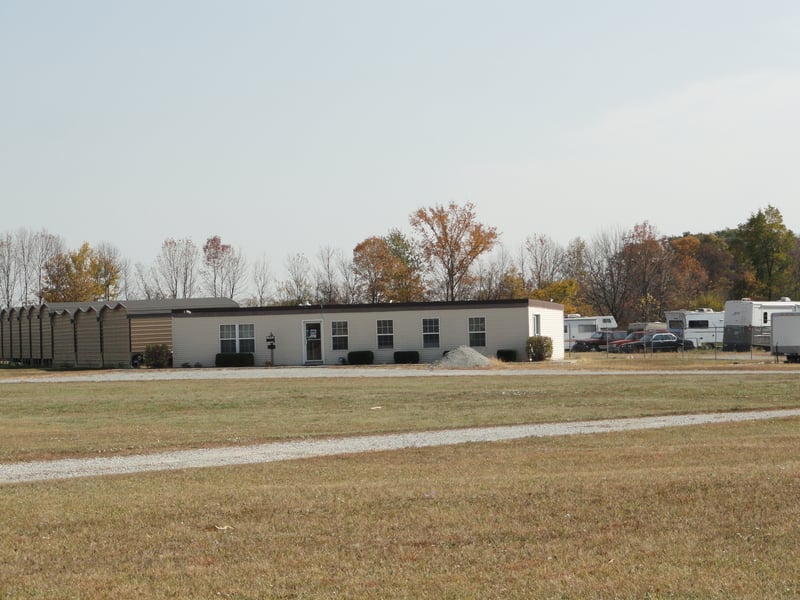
[{"x": 325, "y": 334}]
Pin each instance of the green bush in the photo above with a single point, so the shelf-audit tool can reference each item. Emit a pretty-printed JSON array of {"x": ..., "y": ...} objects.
[
  {"x": 406, "y": 357},
  {"x": 540, "y": 347},
  {"x": 157, "y": 356},
  {"x": 507, "y": 355},
  {"x": 360, "y": 357},
  {"x": 235, "y": 359}
]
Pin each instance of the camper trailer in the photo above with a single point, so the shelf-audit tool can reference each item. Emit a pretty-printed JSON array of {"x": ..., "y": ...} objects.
[
  {"x": 748, "y": 323},
  {"x": 786, "y": 336},
  {"x": 702, "y": 327},
  {"x": 577, "y": 327}
]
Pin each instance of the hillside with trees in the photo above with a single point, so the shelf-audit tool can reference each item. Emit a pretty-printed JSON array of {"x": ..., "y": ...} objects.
[{"x": 446, "y": 254}]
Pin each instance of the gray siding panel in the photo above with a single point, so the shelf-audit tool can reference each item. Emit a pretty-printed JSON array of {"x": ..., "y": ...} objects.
[
  {"x": 87, "y": 332},
  {"x": 63, "y": 341},
  {"x": 116, "y": 338}
]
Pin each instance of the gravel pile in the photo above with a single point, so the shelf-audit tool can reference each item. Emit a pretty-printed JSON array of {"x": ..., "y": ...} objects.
[{"x": 462, "y": 357}]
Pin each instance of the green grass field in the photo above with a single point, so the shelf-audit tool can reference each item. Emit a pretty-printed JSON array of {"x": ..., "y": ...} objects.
[{"x": 700, "y": 512}]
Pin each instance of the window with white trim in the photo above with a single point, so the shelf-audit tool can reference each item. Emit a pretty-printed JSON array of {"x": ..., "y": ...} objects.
[
  {"x": 385, "y": 329},
  {"x": 430, "y": 333},
  {"x": 237, "y": 338},
  {"x": 339, "y": 335},
  {"x": 227, "y": 338},
  {"x": 477, "y": 331},
  {"x": 247, "y": 338}
]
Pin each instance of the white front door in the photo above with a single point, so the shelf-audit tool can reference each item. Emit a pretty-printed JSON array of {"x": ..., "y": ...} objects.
[{"x": 312, "y": 348}]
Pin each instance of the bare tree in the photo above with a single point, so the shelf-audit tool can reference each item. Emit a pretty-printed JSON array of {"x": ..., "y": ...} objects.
[
  {"x": 296, "y": 289},
  {"x": 325, "y": 275},
  {"x": 347, "y": 277},
  {"x": 176, "y": 268},
  {"x": 234, "y": 273},
  {"x": 498, "y": 278},
  {"x": 45, "y": 246},
  {"x": 545, "y": 261},
  {"x": 224, "y": 268},
  {"x": 9, "y": 270},
  {"x": 23, "y": 250},
  {"x": 147, "y": 282},
  {"x": 262, "y": 280},
  {"x": 605, "y": 281}
]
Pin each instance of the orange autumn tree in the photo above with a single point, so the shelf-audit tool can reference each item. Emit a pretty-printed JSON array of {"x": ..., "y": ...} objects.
[
  {"x": 451, "y": 239},
  {"x": 82, "y": 275},
  {"x": 386, "y": 270}
]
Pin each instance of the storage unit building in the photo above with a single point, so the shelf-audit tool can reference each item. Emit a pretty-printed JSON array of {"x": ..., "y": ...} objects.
[
  {"x": 88, "y": 354},
  {"x": 62, "y": 324},
  {"x": 115, "y": 336},
  {"x": 91, "y": 334}
]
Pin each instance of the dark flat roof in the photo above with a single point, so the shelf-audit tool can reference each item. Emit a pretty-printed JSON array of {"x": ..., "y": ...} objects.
[{"x": 389, "y": 306}]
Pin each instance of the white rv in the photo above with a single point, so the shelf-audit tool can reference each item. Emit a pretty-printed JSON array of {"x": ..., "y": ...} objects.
[
  {"x": 748, "y": 323},
  {"x": 786, "y": 336},
  {"x": 703, "y": 327},
  {"x": 577, "y": 327}
]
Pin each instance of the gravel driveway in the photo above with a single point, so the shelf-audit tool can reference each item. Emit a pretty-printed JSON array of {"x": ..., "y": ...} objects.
[{"x": 216, "y": 457}]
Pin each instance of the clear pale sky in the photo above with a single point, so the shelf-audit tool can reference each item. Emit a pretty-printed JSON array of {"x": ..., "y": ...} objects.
[{"x": 286, "y": 126}]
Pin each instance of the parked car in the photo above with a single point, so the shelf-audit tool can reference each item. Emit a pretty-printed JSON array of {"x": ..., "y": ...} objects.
[
  {"x": 633, "y": 336},
  {"x": 657, "y": 342},
  {"x": 599, "y": 340}
]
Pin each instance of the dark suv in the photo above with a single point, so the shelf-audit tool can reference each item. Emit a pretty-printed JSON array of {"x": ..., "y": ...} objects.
[{"x": 598, "y": 341}]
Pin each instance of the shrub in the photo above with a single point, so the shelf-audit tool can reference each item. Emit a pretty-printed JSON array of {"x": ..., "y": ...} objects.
[
  {"x": 540, "y": 347},
  {"x": 360, "y": 357},
  {"x": 507, "y": 355},
  {"x": 406, "y": 357},
  {"x": 157, "y": 356},
  {"x": 235, "y": 359}
]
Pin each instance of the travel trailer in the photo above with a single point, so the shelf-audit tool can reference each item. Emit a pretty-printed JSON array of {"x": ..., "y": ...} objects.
[
  {"x": 577, "y": 327},
  {"x": 703, "y": 327},
  {"x": 786, "y": 336},
  {"x": 748, "y": 323}
]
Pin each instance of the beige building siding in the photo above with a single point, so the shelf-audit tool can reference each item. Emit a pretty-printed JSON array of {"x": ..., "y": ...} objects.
[
  {"x": 116, "y": 337},
  {"x": 87, "y": 334},
  {"x": 197, "y": 336},
  {"x": 150, "y": 330},
  {"x": 552, "y": 322},
  {"x": 63, "y": 340}
]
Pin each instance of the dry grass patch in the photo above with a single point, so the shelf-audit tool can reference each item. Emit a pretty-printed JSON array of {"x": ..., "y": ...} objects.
[
  {"x": 705, "y": 512},
  {"x": 57, "y": 420}
]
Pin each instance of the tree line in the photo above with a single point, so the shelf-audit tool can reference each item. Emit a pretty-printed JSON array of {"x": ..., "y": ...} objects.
[{"x": 447, "y": 254}]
